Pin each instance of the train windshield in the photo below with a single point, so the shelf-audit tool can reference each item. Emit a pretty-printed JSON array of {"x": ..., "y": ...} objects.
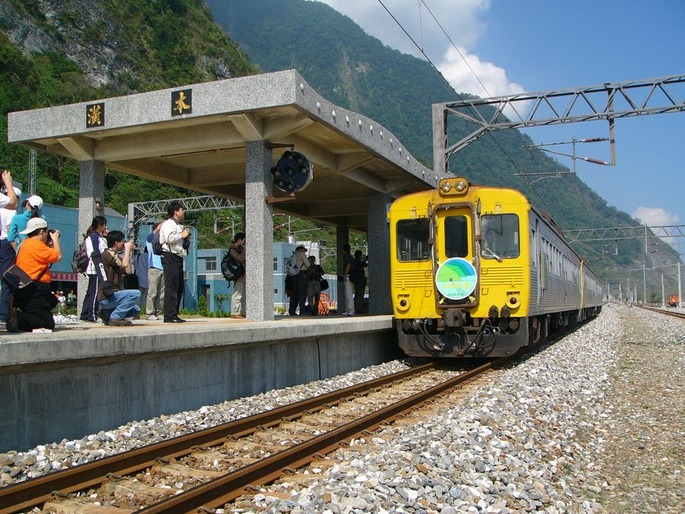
[
  {"x": 500, "y": 236},
  {"x": 456, "y": 236},
  {"x": 412, "y": 240}
]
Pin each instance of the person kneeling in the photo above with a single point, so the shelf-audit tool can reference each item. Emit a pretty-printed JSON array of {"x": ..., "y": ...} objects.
[
  {"x": 121, "y": 303},
  {"x": 35, "y": 302}
]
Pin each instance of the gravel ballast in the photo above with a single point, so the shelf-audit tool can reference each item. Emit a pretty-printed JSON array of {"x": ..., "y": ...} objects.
[{"x": 593, "y": 423}]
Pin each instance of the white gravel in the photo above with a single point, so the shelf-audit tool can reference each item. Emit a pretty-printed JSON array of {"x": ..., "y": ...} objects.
[{"x": 531, "y": 441}]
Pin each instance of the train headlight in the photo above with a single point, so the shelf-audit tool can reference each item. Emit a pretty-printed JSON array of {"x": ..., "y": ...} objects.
[
  {"x": 402, "y": 303},
  {"x": 513, "y": 300},
  {"x": 453, "y": 186}
]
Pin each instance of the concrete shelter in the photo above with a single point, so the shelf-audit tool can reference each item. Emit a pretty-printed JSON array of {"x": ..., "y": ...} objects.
[{"x": 222, "y": 138}]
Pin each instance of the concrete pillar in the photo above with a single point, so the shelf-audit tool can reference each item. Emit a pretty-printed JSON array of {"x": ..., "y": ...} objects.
[
  {"x": 379, "y": 255},
  {"x": 259, "y": 271},
  {"x": 90, "y": 204},
  {"x": 342, "y": 237}
]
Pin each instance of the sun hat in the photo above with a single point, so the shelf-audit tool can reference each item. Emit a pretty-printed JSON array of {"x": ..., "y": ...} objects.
[{"x": 33, "y": 225}]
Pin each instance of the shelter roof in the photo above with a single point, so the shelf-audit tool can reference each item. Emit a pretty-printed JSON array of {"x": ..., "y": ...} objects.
[{"x": 199, "y": 144}]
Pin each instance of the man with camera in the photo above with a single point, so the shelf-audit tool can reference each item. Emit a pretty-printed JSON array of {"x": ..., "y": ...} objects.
[
  {"x": 116, "y": 302},
  {"x": 34, "y": 303},
  {"x": 175, "y": 241},
  {"x": 8, "y": 197}
]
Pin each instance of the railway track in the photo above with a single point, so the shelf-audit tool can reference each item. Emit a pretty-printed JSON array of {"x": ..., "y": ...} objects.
[
  {"x": 668, "y": 312},
  {"x": 210, "y": 468}
]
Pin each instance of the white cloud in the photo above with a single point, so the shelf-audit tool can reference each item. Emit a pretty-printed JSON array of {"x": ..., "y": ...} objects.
[
  {"x": 459, "y": 18},
  {"x": 655, "y": 216},
  {"x": 468, "y": 74}
]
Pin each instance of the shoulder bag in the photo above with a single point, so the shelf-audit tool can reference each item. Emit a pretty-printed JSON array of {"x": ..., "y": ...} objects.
[{"x": 17, "y": 279}]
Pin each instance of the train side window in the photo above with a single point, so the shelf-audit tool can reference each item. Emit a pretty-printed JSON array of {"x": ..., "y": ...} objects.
[
  {"x": 500, "y": 236},
  {"x": 412, "y": 240},
  {"x": 456, "y": 236}
]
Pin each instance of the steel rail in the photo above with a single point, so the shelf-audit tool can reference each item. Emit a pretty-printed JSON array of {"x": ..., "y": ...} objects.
[
  {"x": 674, "y": 314},
  {"x": 34, "y": 492},
  {"x": 220, "y": 491}
]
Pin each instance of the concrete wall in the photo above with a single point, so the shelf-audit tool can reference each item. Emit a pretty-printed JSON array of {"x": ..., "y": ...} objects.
[{"x": 127, "y": 377}]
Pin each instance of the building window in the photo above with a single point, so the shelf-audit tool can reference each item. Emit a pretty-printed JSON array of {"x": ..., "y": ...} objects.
[
  {"x": 210, "y": 263},
  {"x": 275, "y": 263}
]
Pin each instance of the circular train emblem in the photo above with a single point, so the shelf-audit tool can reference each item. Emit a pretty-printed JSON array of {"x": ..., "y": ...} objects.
[{"x": 456, "y": 278}]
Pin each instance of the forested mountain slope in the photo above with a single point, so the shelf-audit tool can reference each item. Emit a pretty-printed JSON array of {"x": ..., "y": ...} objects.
[{"x": 358, "y": 72}]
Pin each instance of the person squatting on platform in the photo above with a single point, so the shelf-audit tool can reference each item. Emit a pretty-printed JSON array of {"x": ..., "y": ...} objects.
[
  {"x": 120, "y": 303},
  {"x": 33, "y": 304}
]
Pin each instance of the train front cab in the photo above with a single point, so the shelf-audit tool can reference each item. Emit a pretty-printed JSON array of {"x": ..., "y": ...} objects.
[{"x": 458, "y": 274}]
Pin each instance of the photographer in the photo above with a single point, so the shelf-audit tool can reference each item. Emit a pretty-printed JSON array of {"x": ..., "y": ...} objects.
[
  {"x": 32, "y": 206},
  {"x": 8, "y": 197},
  {"x": 121, "y": 303},
  {"x": 175, "y": 240},
  {"x": 34, "y": 304}
]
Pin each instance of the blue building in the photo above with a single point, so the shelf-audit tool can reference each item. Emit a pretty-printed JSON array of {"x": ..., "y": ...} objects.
[{"x": 202, "y": 267}]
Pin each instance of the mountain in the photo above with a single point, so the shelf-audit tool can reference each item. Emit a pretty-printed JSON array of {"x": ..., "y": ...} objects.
[
  {"x": 358, "y": 72},
  {"x": 55, "y": 52}
]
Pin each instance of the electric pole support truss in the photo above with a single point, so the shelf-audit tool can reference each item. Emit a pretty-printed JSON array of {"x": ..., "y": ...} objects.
[
  {"x": 157, "y": 210},
  {"x": 608, "y": 102},
  {"x": 613, "y": 233}
]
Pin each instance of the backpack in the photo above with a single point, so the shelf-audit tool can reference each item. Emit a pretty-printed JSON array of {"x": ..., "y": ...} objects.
[
  {"x": 231, "y": 269},
  {"x": 79, "y": 261},
  {"x": 156, "y": 245},
  {"x": 291, "y": 267},
  {"x": 357, "y": 272}
]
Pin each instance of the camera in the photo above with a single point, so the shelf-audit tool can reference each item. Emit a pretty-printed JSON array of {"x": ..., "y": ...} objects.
[{"x": 51, "y": 230}]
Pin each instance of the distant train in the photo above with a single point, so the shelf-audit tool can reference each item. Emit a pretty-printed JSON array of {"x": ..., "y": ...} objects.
[{"x": 479, "y": 272}]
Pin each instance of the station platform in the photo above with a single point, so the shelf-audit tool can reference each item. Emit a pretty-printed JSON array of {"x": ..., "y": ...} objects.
[{"x": 87, "y": 377}]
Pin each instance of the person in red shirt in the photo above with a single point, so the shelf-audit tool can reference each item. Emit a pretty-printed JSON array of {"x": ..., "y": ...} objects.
[{"x": 34, "y": 304}]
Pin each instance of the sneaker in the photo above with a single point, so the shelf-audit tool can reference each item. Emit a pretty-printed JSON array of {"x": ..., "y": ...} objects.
[
  {"x": 13, "y": 322},
  {"x": 151, "y": 317},
  {"x": 119, "y": 323},
  {"x": 237, "y": 316}
]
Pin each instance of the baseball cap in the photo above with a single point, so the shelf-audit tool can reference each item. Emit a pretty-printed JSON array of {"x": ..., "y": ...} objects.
[
  {"x": 34, "y": 224},
  {"x": 35, "y": 201}
]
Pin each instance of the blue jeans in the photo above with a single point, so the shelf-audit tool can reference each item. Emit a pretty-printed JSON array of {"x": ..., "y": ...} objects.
[{"x": 123, "y": 304}]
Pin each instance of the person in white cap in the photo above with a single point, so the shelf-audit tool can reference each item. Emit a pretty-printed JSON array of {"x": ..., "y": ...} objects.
[
  {"x": 34, "y": 303},
  {"x": 32, "y": 206},
  {"x": 7, "y": 256}
]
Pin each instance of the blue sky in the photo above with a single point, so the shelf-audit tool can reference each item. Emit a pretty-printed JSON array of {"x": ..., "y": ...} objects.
[{"x": 535, "y": 45}]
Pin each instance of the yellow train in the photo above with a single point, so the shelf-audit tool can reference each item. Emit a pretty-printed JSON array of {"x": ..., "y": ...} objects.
[{"x": 478, "y": 271}]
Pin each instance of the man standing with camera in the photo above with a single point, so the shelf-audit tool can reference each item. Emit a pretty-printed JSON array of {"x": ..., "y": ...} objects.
[{"x": 175, "y": 241}]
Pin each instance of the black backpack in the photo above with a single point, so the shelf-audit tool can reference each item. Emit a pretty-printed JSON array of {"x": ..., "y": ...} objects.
[
  {"x": 156, "y": 245},
  {"x": 357, "y": 272},
  {"x": 231, "y": 269},
  {"x": 79, "y": 261}
]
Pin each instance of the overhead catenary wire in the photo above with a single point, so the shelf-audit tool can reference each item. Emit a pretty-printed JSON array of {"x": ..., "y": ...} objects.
[{"x": 458, "y": 95}]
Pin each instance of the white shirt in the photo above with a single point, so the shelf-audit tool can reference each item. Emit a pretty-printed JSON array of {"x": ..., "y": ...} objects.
[
  {"x": 170, "y": 237},
  {"x": 6, "y": 216},
  {"x": 102, "y": 244}
]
